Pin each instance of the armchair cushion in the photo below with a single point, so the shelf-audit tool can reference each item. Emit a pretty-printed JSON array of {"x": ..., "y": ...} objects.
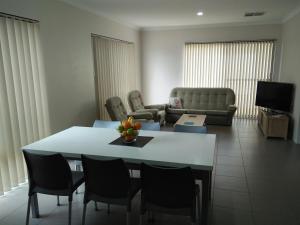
[
  {"x": 152, "y": 111},
  {"x": 176, "y": 111},
  {"x": 141, "y": 115},
  {"x": 158, "y": 106}
]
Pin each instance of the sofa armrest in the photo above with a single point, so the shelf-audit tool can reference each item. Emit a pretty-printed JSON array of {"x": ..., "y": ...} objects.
[
  {"x": 141, "y": 115},
  {"x": 157, "y": 106},
  {"x": 232, "y": 109}
]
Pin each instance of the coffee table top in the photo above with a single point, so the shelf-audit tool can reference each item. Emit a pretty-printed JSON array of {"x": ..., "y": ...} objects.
[{"x": 191, "y": 120}]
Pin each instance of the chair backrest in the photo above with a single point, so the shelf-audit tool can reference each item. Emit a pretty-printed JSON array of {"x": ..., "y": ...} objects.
[
  {"x": 109, "y": 178},
  {"x": 106, "y": 124},
  {"x": 168, "y": 187},
  {"x": 116, "y": 109},
  {"x": 135, "y": 100},
  {"x": 190, "y": 129},
  {"x": 154, "y": 126},
  {"x": 50, "y": 172}
]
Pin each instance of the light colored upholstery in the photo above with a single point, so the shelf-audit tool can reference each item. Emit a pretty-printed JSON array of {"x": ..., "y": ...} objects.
[
  {"x": 117, "y": 111},
  {"x": 136, "y": 104},
  {"x": 216, "y": 103}
]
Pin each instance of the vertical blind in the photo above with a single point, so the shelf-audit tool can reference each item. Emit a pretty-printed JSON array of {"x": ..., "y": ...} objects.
[
  {"x": 236, "y": 65},
  {"x": 23, "y": 101},
  {"x": 115, "y": 70}
]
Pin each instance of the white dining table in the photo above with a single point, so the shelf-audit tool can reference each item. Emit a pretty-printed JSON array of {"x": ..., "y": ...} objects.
[{"x": 171, "y": 149}]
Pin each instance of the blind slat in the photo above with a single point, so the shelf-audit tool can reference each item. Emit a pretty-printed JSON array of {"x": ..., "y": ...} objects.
[{"x": 235, "y": 65}]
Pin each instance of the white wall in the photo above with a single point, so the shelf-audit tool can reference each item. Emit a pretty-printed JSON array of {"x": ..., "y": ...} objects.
[
  {"x": 66, "y": 42},
  {"x": 162, "y": 52},
  {"x": 290, "y": 69}
]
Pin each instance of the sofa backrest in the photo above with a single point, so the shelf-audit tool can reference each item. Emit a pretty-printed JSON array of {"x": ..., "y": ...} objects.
[{"x": 205, "y": 98}]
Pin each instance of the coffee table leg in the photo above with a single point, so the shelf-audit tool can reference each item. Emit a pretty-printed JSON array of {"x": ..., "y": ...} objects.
[{"x": 35, "y": 206}]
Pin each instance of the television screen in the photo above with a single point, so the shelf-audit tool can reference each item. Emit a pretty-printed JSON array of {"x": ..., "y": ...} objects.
[{"x": 274, "y": 95}]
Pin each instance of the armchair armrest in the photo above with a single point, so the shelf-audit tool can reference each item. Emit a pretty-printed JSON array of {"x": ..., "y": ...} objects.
[
  {"x": 141, "y": 115},
  {"x": 157, "y": 106}
]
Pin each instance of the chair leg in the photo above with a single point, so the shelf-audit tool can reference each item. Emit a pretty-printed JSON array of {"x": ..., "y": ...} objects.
[
  {"x": 198, "y": 206},
  {"x": 77, "y": 168},
  {"x": 96, "y": 206},
  {"x": 141, "y": 219},
  {"x": 70, "y": 212},
  {"x": 150, "y": 217},
  {"x": 58, "y": 204},
  {"x": 108, "y": 208},
  {"x": 83, "y": 214},
  {"x": 128, "y": 218},
  {"x": 28, "y": 210}
]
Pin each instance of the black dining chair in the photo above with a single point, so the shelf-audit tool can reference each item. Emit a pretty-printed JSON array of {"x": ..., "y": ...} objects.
[
  {"x": 108, "y": 181},
  {"x": 169, "y": 190},
  {"x": 51, "y": 175}
]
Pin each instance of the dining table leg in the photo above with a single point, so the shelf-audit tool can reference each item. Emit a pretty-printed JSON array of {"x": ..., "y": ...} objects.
[
  {"x": 206, "y": 178},
  {"x": 210, "y": 185},
  {"x": 35, "y": 206},
  {"x": 206, "y": 186}
]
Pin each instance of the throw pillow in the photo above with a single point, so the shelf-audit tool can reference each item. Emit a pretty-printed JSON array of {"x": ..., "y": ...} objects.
[{"x": 175, "y": 102}]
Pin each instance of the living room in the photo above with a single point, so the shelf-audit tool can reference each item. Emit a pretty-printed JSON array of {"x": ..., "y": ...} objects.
[{"x": 254, "y": 178}]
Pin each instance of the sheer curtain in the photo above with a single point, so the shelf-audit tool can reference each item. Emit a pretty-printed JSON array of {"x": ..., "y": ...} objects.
[
  {"x": 236, "y": 65},
  {"x": 115, "y": 70},
  {"x": 23, "y": 101}
]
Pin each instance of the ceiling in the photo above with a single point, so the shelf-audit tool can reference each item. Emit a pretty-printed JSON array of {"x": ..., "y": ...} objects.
[{"x": 166, "y": 13}]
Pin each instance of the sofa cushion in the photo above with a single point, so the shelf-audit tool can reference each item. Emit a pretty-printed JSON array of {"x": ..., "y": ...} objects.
[{"x": 175, "y": 102}]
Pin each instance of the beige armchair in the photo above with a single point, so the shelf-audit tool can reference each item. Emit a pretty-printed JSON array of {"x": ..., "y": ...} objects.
[
  {"x": 117, "y": 111},
  {"x": 136, "y": 104}
]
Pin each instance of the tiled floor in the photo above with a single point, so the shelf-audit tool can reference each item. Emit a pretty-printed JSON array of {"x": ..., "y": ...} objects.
[{"x": 256, "y": 182}]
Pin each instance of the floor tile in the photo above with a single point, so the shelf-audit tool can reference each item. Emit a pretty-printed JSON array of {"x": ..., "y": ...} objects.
[
  {"x": 229, "y": 160},
  {"x": 232, "y": 199},
  {"x": 224, "y": 216},
  {"x": 228, "y": 170},
  {"x": 231, "y": 183},
  {"x": 255, "y": 182}
]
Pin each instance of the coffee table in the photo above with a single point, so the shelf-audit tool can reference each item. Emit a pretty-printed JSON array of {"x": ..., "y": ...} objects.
[{"x": 191, "y": 120}]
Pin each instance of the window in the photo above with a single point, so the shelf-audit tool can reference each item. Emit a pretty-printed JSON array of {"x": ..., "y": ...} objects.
[
  {"x": 115, "y": 70},
  {"x": 236, "y": 65},
  {"x": 23, "y": 101}
]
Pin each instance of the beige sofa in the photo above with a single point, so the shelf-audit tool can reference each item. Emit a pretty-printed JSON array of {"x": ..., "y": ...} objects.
[{"x": 216, "y": 103}]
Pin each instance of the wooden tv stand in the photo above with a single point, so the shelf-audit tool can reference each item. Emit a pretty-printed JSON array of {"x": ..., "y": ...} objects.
[{"x": 273, "y": 125}]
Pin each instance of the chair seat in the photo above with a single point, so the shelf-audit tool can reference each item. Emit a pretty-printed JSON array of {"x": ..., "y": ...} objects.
[{"x": 77, "y": 177}]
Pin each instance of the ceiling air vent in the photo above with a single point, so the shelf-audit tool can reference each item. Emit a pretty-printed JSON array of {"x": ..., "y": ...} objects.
[{"x": 248, "y": 14}]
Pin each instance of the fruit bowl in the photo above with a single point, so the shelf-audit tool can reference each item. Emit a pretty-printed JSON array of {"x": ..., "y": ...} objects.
[{"x": 129, "y": 130}]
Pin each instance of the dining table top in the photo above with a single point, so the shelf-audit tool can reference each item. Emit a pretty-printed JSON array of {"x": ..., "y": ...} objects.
[{"x": 175, "y": 149}]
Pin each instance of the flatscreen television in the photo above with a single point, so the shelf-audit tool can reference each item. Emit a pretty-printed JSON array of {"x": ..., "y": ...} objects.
[{"x": 275, "y": 95}]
